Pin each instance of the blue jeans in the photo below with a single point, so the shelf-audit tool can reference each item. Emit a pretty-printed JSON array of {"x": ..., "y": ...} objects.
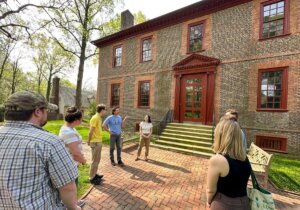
[{"x": 115, "y": 140}]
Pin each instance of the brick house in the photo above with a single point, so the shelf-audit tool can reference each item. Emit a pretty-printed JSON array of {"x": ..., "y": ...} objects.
[{"x": 205, "y": 58}]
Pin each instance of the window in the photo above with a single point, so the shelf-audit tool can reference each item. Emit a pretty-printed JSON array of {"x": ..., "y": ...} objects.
[
  {"x": 271, "y": 143},
  {"x": 195, "y": 38},
  {"x": 272, "y": 89},
  {"x": 115, "y": 95},
  {"x": 144, "y": 94},
  {"x": 117, "y": 61},
  {"x": 274, "y": 19},
  {"x": 146, "y": 54}
]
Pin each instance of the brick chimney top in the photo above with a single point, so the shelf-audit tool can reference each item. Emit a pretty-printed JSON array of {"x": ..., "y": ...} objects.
[{"x": 127, "y": 20}]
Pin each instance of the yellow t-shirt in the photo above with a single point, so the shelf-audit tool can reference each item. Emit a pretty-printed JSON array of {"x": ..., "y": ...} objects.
[{"x": 96, "y": 121}]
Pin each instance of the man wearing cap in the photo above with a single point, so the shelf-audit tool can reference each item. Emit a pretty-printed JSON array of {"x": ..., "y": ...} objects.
[{"x": 36, "y": 171}]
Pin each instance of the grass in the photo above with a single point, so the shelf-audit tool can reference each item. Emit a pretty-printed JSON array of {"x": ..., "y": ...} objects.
[
  {"x": 285, "y": 171},
  {"x": 55, "y": 125},
  {"x": 83, "y": 180}
]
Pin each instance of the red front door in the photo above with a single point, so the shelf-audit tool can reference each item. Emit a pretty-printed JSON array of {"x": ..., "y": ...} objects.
[{"x": 193, "y": 98}]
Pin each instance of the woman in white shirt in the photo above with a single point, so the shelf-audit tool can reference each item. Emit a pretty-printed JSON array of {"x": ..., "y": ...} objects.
[
  {"x": 72, "y": 139},
  {"x": 145, "y": 134}
]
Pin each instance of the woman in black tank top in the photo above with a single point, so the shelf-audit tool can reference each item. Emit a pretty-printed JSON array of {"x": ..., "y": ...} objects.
[{"x": 228, "y": 170}]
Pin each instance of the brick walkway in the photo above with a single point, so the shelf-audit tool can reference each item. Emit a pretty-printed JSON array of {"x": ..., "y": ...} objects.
[{"x": 168, "y": 181}]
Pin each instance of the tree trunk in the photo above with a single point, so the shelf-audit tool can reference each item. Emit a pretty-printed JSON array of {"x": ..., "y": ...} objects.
[
  {"x": 14, "y": 77},
  {"x": 49, "y": 83},
  {"x": 80, "y": 76}
]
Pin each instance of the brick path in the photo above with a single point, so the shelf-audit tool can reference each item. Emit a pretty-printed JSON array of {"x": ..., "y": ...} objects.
[{"x": 168, "y": 181}]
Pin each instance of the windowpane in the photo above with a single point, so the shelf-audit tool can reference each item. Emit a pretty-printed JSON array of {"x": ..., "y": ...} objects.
[
  {"x": 195, "y": 39},
  {"x": 144, "y": 93},
  {"x": 146, "y": 50},
  {"x": 270, "y": 89},
  {"x": 273, "y": 17},
  {"x": 115, "y": 97},
  {"x": 118, "y": 56}
]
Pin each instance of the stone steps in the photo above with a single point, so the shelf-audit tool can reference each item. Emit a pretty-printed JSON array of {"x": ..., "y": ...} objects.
[{"x": 186, "y": 138}]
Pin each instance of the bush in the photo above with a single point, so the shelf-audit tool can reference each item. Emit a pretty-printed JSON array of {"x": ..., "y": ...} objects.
[
  {"x": 2, "y": 110},
  {"x": 90, "y": 111}
]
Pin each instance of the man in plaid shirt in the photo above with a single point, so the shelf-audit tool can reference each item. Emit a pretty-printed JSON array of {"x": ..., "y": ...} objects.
[{"x": 36, "y": 171}]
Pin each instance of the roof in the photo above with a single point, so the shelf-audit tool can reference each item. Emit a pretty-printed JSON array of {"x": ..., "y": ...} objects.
[
  {"x": 200, "y": 8},
  {"x": 67, "y": 95}
]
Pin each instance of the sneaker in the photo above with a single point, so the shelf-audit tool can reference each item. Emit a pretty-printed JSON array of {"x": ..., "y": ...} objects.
[
  {"x": 113, "y": 163},
  {"x": 95, "y": 181},
  {"x": 120, "y": 163},
  {"x": 97, "y": 176},
  {"x": 80, "y": 203}
]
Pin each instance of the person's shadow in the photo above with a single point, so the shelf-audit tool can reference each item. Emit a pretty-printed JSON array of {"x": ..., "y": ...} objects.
[
  {"x": 130, "y": 201},
  {"x": 169, "y": 166},
  {"x": 141, "y": 175}
]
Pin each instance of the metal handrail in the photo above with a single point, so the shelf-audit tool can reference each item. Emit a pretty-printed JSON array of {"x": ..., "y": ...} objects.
[{"x": 161, "y": 125}]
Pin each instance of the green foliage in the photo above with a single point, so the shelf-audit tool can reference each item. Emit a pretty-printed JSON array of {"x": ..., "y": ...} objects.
[
  {"x": 91, "y": 110},
  {"x": 67, "y": 83},
  {"x": 114, "y": 25},
  {"x": 139, "y": 17},
  {"x": 285, "y": 172}
]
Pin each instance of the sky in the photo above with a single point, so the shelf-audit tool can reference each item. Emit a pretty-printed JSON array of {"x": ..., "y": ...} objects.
[{"x": 156, "y": 8}]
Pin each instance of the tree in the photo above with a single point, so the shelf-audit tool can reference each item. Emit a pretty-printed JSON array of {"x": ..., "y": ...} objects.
[
  {"x": 15, "y": 73},
  {"x": 80, "y": 23},
  {"x": 12, "y": 23},
  {"x": 50, "y": 60},
  {"x": 114, "y": 24},
  {"x": 6, "y": 47}
]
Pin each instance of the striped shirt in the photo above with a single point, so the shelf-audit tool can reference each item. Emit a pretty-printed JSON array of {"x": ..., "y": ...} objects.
[{"x": 33, "y": 165}]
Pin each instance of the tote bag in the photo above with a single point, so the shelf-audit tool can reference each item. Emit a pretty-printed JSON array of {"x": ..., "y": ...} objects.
[{"x": 260, "y": 199}]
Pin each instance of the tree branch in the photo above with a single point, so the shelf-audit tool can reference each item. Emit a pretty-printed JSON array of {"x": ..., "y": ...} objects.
[
  {"x": 21, "y": 8},
  {"x": 79, "y": 16}
]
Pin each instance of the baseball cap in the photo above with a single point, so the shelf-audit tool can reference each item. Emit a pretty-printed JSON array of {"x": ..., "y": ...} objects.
[{"x": 27, "y": 100}]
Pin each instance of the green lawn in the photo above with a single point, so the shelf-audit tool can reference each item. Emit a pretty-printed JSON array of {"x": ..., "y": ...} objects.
[
  {"x": 83, "y": 182},
  {"x": 285, "y": 172},
  {"x": 83, "y": 130}
]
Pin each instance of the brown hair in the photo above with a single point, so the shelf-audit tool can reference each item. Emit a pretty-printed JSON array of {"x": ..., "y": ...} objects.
[
  {"x": 100, "y": 107},
  {"x": 114, "y": 109},
  {"x": 73, "y": 114}
]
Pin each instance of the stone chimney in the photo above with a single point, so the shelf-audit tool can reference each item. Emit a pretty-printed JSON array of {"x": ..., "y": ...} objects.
[
  {"x": 127, "y": 20},
  {"x": 55, "y": 91}
]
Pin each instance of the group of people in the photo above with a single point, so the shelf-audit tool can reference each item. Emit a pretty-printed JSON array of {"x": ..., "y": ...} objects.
[{"x": 38, "y": 170}]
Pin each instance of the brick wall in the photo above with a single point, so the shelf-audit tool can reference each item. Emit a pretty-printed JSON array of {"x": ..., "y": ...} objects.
[{"x": 231, "y": 35}]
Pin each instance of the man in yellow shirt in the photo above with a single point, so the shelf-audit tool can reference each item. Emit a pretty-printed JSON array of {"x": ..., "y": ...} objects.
[{"x": 95, "y": 142}]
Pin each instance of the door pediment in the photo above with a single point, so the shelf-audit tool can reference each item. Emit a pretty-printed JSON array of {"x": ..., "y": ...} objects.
[{"x": 195, "y": 61}]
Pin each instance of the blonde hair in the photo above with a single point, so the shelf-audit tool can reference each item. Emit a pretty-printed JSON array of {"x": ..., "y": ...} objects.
[{"x": 228, "y": 139}]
